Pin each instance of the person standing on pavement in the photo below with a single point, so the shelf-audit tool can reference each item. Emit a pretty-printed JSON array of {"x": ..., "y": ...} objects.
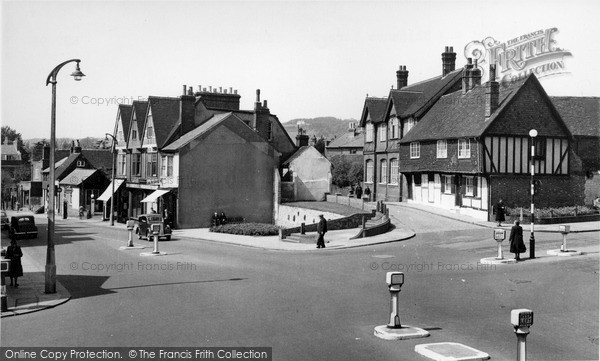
[
  {"x": 368, "y": 193},
  {"x": 500, "y": 210},
  {"x": 321, "y": 230},
  {"x": 358, "y": 191},
  {"x": 14, "y": 254},
  {"x": 516, "y": 241}
]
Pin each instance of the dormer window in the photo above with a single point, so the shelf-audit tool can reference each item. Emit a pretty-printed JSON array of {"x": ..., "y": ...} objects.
[
  {"x": 394, "y": 128},
  {"x": 81, "y": 163},
  {"x": 369, "y": 132},
  {"x": 382, "y": 133},
  {"x": 150, "y": 132}
]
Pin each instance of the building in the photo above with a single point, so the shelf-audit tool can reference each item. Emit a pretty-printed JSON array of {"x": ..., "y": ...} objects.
[
  {"x": 196, "y": 154},
  {"x": 349, "y": 145},
  {"x": 455, "y": 143},
  {"x": 582, "y": 116},
  {"x": 13, "y": 169},
  {"x": 306, "y": 175}
]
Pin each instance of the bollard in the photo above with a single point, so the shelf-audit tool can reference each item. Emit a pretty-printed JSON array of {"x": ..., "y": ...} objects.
[
  {"x": 155, "y": 231},
  {"x": 130, "y": 224},
  {"x": 499, "y": 236},
  {"x": 564, "y": 229},
  {"x": 521, "y": 320},
  {"x": 5, "y": 266},
  {"x": 394, "y": 280},
  {"x": 302, "y": 228}
]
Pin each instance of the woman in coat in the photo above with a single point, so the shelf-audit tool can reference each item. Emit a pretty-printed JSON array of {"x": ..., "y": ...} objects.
[
  {"x": 516, "y": 241},
  {"x": 14, "y": 254},
  {"x": 500, "y": 212}
]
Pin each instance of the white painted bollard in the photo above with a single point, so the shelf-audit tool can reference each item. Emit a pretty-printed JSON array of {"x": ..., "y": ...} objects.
[
  {"x": 155, "y": 231},
  {"x": 394, "y": 280},
  {"x": 521, "y": 320},
  {"x": 564, "y": 229},
  {"x": 130, "y": 225},
  {"x": 499, "y": 236}
]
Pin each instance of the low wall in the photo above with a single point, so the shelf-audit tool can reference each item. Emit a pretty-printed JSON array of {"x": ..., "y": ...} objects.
[
  {"x": 374, "y": 231},
  {"x": 352, "y": 221},
  {"x": 289, "y": 216},
  {"x": 349, "y": 201}
]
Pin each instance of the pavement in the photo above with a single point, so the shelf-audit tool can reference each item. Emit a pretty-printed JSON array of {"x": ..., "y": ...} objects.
[{"x": 30, "y": 296}]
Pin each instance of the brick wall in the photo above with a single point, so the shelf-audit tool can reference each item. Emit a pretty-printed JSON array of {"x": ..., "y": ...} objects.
[{"x": 555, "y": 191}]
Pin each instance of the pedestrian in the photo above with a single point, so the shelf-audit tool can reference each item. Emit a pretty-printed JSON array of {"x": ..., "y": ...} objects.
[
  {"x": 358, "y": 191},
  {"x": 500, "y": 210},
  {"x": 368, "y": 193},
  {"x": 516, "y": 241},
  {"x": 14, "y": 254},
  {"x": 321, "y": 230},
  {"x": 223, "y": 218},
  {"x": 351, "y": 191}
]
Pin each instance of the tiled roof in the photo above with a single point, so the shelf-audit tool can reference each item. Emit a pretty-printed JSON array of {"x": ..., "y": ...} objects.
[
  {"x": 125, "y": 112},
  {"x": 297, "y": 154},
  {"x": 165, "y": 114},
  {"x": 376, "y": 108},
  {"x": 581, "y": 114},
  {"x": 140, "y": 107},
  {"x": 99, "y": 158},
  {"x": 65, "y": 163},
  {"x": 348, "y": 140},
  {"x": 429, "y": 91},
  {"x": 77, "y": 176},
  {"x": 9, "y": 149},
  {"x": 196, "y": 132},
  {"x": 459, "y": 115}
]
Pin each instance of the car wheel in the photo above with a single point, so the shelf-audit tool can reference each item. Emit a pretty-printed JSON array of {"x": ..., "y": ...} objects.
[
  {"x": 148, "y": 235},
  {"x": 168, "y": 238},
  {"x": 137, "y": 231}
]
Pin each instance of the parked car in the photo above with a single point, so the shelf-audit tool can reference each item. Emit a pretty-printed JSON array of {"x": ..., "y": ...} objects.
[
  {"x": 5, "y": 223},
  {"x": 22, "y": 227},
  {"x": 144, "y": 227}
]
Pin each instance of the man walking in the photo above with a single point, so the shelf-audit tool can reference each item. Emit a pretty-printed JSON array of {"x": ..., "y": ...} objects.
[{"x": 321, "y": 230}]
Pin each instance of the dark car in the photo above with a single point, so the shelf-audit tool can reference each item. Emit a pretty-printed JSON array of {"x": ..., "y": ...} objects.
[
  {"x": 22, "y": 227},
  {"x": 5, "y": 223},
  {"x": 144, "y": 226}
]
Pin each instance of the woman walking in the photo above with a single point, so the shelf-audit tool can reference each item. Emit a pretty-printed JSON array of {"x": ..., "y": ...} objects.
[{"x": 516, "y": 241}]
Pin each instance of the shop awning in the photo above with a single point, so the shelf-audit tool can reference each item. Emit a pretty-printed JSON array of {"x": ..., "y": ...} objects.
[
  {"x": 108, "y": 192},
  {"x": 152, "y": 197}
]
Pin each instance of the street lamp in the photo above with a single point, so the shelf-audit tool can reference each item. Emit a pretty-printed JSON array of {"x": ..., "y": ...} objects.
[
  {"x": 112, "y": 196},
  {"x": 532, "y": 133},
  {"x": 50, "y": 259}
]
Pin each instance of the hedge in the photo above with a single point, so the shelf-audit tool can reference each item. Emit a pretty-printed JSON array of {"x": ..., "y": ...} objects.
[{"x": 247, "y": 229}]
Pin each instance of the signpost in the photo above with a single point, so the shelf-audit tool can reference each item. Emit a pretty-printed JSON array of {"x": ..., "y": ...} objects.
[
  {"x": 521, "y": 320},
  {"x": 394, "y": 280},
  {"x": 499, "y": 236}
]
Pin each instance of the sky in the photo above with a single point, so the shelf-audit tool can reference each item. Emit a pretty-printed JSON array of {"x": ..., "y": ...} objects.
[{"x": 309, "y": 58}]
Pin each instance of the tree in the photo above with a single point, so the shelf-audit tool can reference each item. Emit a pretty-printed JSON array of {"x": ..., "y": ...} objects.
[
  {"x": 12, "y": 136},
  {"x": 345, "y": 172},
  {"x": 320, "y": 145}
]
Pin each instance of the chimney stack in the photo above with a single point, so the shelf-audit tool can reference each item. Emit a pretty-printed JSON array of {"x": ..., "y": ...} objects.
[
  {"x": 492, "y": 93},
  {"x": 301, "y": 138},
  {"x": 187, "y": 111},
  {"x": 261, "y": 122},
  {"x": 466, "y": 76},
  {"x": 475, "y": 76},
  {"x": 184, "y": 90},
  {"x": 402, "y": 77},
  {"x": 448, "y": 61}
]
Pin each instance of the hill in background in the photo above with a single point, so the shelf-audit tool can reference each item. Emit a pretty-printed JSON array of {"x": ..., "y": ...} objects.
[{"x": 328, "y": 127}]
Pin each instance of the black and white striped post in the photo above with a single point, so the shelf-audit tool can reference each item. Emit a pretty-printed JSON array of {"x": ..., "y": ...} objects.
[{"x": 532, "y": 133}]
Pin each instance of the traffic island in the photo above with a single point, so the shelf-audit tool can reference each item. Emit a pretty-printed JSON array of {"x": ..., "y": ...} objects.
[
  {"x": 151, "y": 254},
  {"x": 450, "y": 351},
  {"x": 128, "y": 248},
  {"x": 495, "y": 260},
  {"x": 403, "y": 333},
  {"x": 561, "y": 253},
  {"x": 499, "y": 236}
]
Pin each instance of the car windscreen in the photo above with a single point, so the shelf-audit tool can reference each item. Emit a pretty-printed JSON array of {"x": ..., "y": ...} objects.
[{"x": 154, "y": 219}]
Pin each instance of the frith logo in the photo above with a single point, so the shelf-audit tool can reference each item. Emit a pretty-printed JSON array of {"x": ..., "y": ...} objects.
[{"x": 535, "y": 52}]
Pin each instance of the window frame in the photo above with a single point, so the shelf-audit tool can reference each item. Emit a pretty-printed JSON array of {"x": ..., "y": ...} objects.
[
  {"x": 394, "y": 171},
  {"x": 464, "y": 148},
  {"x": 369, "y": 169},
  {"x": 415, "y": 150},
  {"x": 442, "y": 153},
  {"x": 394, "y": 128},
  {"x": 382, "y": 132},
  {"x": 383, "y": 169},
  {"x": 369, "y": 133}
]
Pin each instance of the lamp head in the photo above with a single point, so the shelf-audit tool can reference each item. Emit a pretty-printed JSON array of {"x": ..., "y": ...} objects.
[
  {"x": 77, "y": 74},
  {"x": 533, "y": 133}
]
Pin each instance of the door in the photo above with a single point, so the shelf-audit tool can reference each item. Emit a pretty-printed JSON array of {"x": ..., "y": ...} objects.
[{"x": 430, "y": 183}]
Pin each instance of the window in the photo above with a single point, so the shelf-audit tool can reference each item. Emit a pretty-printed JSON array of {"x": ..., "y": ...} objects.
[
  {"x": 447, "y": 184},
  {"x": 120, "y": 135},
  {"x": 134, "y": 134},
  {"x": 383, "y": 171},
  {"x": 369, "y": 173},
  {"x": 136, "y": 164},
  {"x": 369, "y": 132},
  {"x": 415, "y": 150},
  {"x": 442, "y": 148},
  {"x": 151, "y": 160},
  {"x": 469, "y": 186},
  {"x": 121, "y": 164},
  {"x": 382, "y": 133},
  {"x": 166, "y": 166},
  {"x": 540, "y": 147},
  {"x": 464, "y": 148},
  {"x": 394, "y": 128},
  {"x": 150, "y": 132},
  {"x": 410, "y": 123},
  {"x": 394, "y": 171},
  {"x": 81, "y": 163}
]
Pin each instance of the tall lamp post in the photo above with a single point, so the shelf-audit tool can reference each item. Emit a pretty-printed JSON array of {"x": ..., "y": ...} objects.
[
  {"x": 532, "y": 133},
  {"x": 112, "y": 196},
  {"x": 50, "y": 259}
]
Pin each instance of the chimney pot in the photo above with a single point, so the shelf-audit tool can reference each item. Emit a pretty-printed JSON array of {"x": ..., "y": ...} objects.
[
  {"x": 220, "y": 89},
  {"x": 258, "y": 95},
  {"x": 210, "y": 88},
  {"x": 184, "y": 89},
  {"x": 190, "y": 91},
  {"x": 199, "y": 88},
  {"x": 225, "y": 91},
  {"x": 265, "y": 103}
]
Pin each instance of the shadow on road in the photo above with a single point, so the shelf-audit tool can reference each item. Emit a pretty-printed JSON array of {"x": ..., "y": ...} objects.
[{"x": 179, "y": 283}]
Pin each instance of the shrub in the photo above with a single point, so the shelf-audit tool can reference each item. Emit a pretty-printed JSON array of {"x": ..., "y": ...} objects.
[
  {"x": 552, "y": 212},
  {"x": 247, "y": 229}
]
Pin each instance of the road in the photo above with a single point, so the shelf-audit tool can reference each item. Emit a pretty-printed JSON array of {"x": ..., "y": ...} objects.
[{"x": 314, "y": 305}]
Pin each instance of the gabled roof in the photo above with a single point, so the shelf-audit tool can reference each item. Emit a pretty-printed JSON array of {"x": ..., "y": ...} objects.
[
  {"x": 78, "y": 176},
  {"x": 125, "y": 118},
  {"x": 581, "y": 114},
  {"x": 60, "y": 171},
  {"x": 429, "y": 91},
  {"x": 139, "y": 108},
  {"x": 376, "y": 108},
  {"x": 165, "y": 114},
  {"x": 348, "y": 140},
  {"x": 196, "y": 132},
  {"x": 10, "y": 149},
  {"x": 459, "y": 115},
  {"x": 99, "y": 158},
  {"x": 299, "y": 152}
]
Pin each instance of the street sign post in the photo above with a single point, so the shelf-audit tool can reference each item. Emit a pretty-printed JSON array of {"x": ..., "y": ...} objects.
[
  {"x": 155, "y": 232},
  {"x": 499, "y": 236},
  {"x": 521, "y": 320},
  {"x": 564, "y": 229},
  {"x": 394, "y": 280},
  {"x": 130, "y": 225}
]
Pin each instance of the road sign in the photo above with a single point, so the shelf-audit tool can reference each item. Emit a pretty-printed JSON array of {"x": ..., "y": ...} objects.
[{"x": 499, "y": 235}]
